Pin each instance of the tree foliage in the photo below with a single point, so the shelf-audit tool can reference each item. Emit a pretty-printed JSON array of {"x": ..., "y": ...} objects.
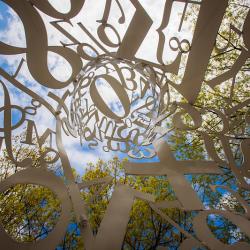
[{"x": 29, "y": 212}]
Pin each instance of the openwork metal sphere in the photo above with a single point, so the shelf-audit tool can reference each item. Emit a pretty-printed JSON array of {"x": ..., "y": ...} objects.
[{"x": 115, "y": 102}]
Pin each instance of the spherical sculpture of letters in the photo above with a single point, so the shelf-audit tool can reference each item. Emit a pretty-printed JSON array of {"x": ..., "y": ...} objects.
[{"x": 115, "y": 102}]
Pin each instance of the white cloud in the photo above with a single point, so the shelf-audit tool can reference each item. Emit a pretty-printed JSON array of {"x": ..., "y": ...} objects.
[
  {"x": 61, "y": 5},
  {"x": 13, "y": 34}
]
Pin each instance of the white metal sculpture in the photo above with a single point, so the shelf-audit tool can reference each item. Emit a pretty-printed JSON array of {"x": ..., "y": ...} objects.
[{"x": 136, "y": 126}]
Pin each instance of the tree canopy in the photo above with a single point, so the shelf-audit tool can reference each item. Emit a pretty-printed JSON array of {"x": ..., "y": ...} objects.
[{"x": 29, "y": 212}]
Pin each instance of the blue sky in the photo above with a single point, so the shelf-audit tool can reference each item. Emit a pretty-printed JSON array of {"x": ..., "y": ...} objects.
[
  {"x": 12, "y": 32},
  {"x": 4, "y": 15}
]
